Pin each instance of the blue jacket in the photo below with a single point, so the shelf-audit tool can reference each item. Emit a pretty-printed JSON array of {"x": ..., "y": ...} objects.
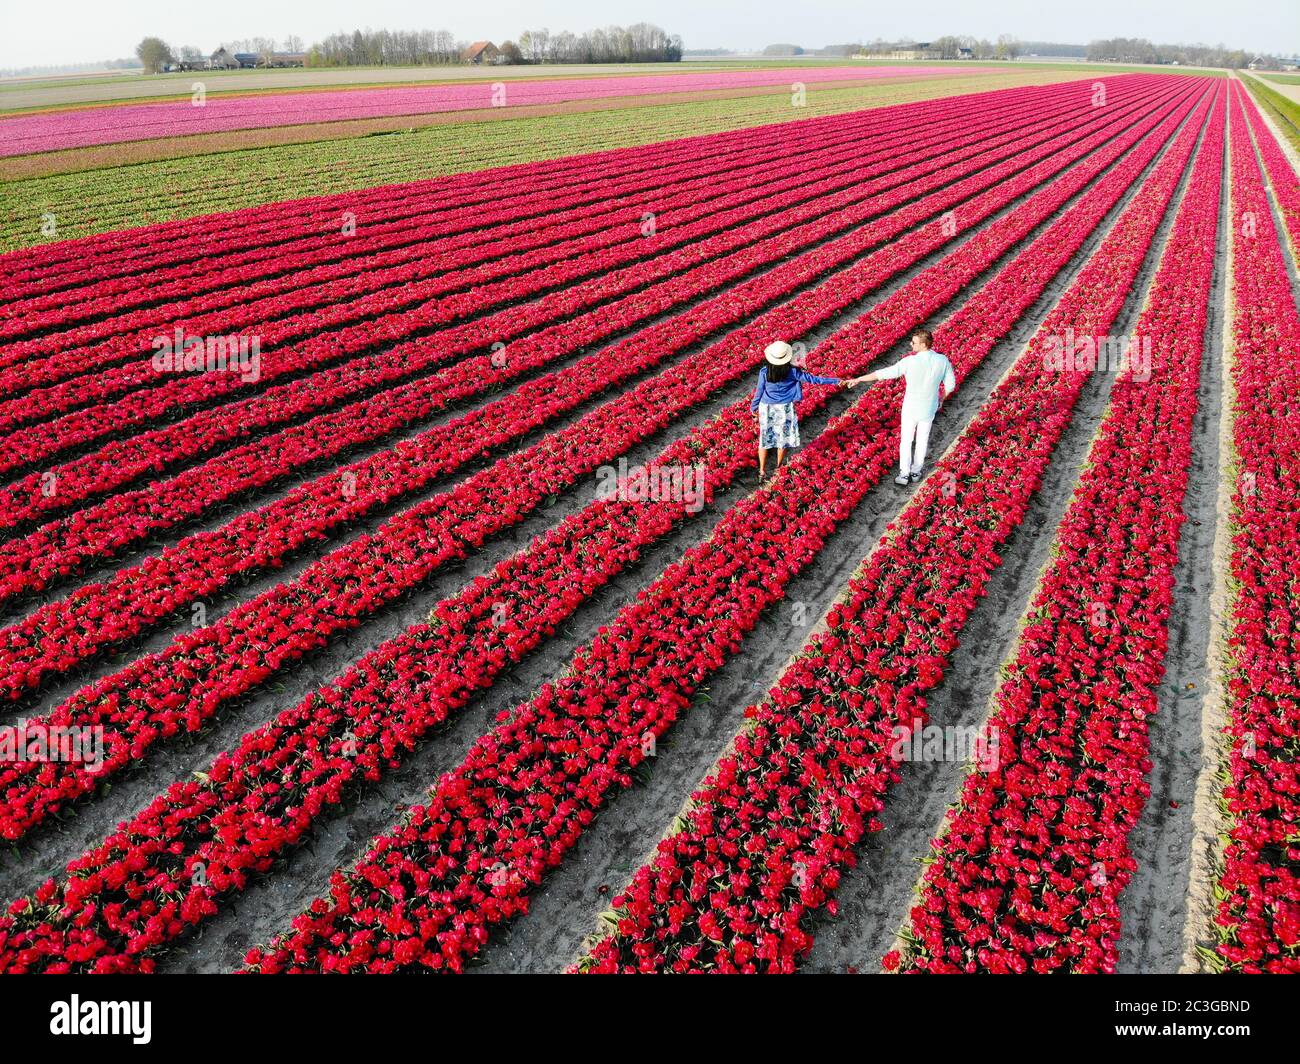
[{"x": 789, "y": 390}]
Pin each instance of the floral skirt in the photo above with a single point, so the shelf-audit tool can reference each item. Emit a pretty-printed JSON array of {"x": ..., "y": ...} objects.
[{"x": 778, "y": 426}]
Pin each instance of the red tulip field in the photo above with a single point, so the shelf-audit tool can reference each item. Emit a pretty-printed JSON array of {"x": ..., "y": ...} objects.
[{"x": 388, "y": 581}]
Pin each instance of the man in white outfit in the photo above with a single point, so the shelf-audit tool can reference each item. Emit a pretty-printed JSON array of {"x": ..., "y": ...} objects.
[{"x": 924, "y": 370}]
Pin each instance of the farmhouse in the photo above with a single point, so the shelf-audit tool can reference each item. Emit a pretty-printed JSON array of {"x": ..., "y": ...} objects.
[
  {"x": 223, "y": 59},
  {"x": 283, "y": 59},
  {"x": 481, "y": 52},
  {"x": 922, "y": 50}
]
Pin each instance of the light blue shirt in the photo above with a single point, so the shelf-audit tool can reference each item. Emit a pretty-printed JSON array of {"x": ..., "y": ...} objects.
[
  {"x": 924, "y": 371},
  {"x": 789, "y": 390}
]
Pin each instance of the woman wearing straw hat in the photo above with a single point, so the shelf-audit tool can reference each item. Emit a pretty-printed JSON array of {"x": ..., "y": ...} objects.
[{"x": 780, "y": 386}]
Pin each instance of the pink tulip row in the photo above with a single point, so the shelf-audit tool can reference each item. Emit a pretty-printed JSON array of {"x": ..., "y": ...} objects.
[
  {"x": 266, "y": 794},
  {"x": 59, "y": 549},
  {"x": 771, "y": 833},
  {"x": 184, "y": 685},
  {"x": 59, "y": 130},
  {"x": 394, "y": 313},
  {"x": 1258, "y": 917},
  {"x": 1028, "y": 874}
]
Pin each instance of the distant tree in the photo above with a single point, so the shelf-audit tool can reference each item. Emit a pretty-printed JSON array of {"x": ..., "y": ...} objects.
[
  {"x": 251, "y": 45},
  {"x": 510, "y": 53},
  {"x": 947, "y": 47},
  {"x": 783, "y": 49},
  {"x": 1008, "y": 47},
  {"x": 293, "y": 43},
  {"x": 154, "y": 53},
  {"x": 1124, "y": 50},
  {"x": 535, "y": 44},
  {"x": 639, "y": 43}
]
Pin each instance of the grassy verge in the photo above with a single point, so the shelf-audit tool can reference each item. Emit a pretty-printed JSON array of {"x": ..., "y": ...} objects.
[{"x": 1285, "y": 112}]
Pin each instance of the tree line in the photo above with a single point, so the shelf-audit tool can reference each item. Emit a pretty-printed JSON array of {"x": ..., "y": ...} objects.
[
  {"x": 386, "y": 48},
  {"x": 645, "y": 42},
  {"x": 1114, "y": 49},
  {"x": 950, "y": 47},
  {"x": 639, "y": 43},
  {"x": 1139, "y": 50},
  {"x": 642, "y": 42}
]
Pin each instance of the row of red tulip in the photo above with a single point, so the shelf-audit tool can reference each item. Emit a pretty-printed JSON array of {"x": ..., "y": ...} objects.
[
  {"x": 184, "y": 685},
  {"x": 1029, "y": 871},
  {"x": 256, "y": 233},
  {"x": 118, "y": 463},
  {"x": 540, "y": 219},
  {"x": 249, "y": 234},
  {"x": 1258, "y": 919},
  {"x": 62, "y": 547},
  {"x": 189, "y": 242},
  {"x": 771, "y": 833},
  {"x": 1282, "y": 175},
  {"x": 504, "y": 242},
  {"x": 406, "y": 307},
  {"x": 265, "y": 795},
  {"x": 337, "y": 319}
]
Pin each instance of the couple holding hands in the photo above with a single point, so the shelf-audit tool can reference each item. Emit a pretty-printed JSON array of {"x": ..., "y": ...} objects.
[{"x": 780, "y": 387}]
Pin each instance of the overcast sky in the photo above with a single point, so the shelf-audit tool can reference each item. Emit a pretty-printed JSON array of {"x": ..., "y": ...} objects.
[{"x": 50, "y": 32}]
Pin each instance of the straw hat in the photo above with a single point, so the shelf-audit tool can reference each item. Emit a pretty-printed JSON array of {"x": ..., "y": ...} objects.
[{"x": 778, "y": 353}]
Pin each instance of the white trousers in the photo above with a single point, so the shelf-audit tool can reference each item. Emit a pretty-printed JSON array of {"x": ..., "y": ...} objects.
[{"x": 909, "y": 461}]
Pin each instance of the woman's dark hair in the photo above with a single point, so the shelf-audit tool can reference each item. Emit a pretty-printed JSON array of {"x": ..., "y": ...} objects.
[{"x": 776, "y": 374}]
